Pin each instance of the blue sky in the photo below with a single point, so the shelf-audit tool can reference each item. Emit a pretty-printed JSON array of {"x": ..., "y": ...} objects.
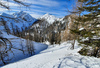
[{"x": 40, "y": 7}]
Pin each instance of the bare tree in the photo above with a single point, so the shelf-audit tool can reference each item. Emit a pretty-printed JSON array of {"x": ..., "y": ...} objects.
[
  {"x": 29, "y": 44},
  {"x": 5, "y": 48}
]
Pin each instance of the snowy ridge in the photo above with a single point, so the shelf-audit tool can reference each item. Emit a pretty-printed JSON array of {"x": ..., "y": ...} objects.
[
  {"x": 19, "y": 20},
  {"x": 50, "y": 18},
  {"x": 25, "y": 16}
]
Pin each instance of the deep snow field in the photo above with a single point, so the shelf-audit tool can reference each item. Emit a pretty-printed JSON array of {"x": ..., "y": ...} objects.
[{"x": 57, "y": 56}]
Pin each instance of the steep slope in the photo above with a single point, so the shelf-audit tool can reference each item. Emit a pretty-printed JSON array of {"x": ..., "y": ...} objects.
[{"x": 16, "y": 22}]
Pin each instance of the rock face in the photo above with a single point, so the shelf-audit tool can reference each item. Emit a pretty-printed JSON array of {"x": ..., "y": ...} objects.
[{"x": 15, "y": 22}]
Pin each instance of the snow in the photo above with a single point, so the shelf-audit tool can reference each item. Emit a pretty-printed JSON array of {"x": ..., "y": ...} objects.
[
  {"x": 81, "y": 29},
  {"x": 51, "y": 18},
  {"x": 98, "y": 16},
  {"x": 58, "y": 56}
]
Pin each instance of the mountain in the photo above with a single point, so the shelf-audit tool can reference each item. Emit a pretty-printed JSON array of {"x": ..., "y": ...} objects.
[
  {"x": 16, "y": 22},
  {"x": 47, "y": 27},
  {"x": 47, "y": 20}
]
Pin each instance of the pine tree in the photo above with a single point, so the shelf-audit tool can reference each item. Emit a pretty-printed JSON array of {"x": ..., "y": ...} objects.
[{"x": 88, "y": 25}]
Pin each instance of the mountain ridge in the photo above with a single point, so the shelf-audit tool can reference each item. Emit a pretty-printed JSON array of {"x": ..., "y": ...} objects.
[{"x": 16, "y": 22}]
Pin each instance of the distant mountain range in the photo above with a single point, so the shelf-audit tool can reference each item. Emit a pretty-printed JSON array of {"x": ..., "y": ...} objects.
[{"x": 42, "y": 29}]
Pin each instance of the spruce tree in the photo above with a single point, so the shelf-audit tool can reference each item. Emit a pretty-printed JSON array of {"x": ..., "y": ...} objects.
[{"x": 88, "y": 25}]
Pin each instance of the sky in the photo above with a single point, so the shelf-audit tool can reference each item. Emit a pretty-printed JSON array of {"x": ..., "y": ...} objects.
[{"x": 38, "y": 8}]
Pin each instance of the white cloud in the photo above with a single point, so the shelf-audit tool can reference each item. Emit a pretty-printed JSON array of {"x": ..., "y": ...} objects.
[
  {"x": 48, "y": 3},
  {"x": 34, "y": 14},
  {"x": 45, "y": 11},
  {"x": 33, "y": 6}
]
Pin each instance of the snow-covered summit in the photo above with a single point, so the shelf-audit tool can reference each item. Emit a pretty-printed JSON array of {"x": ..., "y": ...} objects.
[{"x": 50, "y": 18}]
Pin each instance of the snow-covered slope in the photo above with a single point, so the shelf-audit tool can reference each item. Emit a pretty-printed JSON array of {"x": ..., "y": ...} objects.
[
  {"x": 17, "y": 21},
  {"x": 58, "y": 57},
  {"x": 19, "y": 49}
]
